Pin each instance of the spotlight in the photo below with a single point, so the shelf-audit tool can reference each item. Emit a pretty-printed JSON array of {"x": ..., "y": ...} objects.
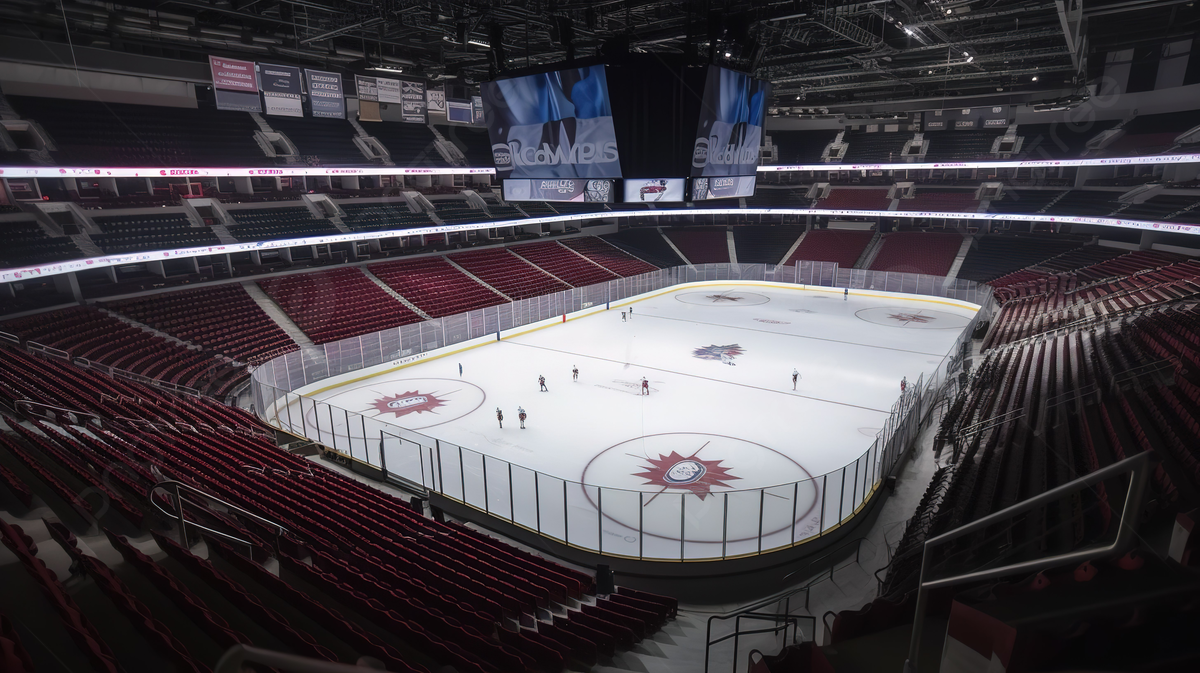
[
  {"x": 908, "y": 31},
  {"x": 728, "y": 54},
  {"x": 970, "y": 58},
  {"x": 1035, "y": 78}
]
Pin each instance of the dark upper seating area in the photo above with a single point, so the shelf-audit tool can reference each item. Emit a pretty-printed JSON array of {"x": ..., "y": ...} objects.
[
  {"x": 645, "y": 244},
  {"x": 472, "y": 141},
  {"x": 994, "y": 256},
  {"x": 499, "y": 212},
  {"x": 1151, "y": 133},
  {"x": 1056, "y": 140},
  {"x": 779, "y": 197},
  {"x": 872, "y": 148},
  {"x": 1085, "y": 203},
  {"x": 942, "y": 200},
  {"x": 960, "y": 145},
  {"x": 801, "y": 147},
  {"x": 701, "y": 245},
  {"x": 1158, "y": 207},
  {"x": 25, "y": 243},
  {"x": 90, "y": 133},
  {"x": 128, "y": 233},
  {"x": 764, "y": 245},
  {"x": 845, "y": 198},
  {"x": 265, "y": 224},
  {"x": 456, "y": 211},
  {"x": 324, "y": 142},
  {"x": 536, "y": 208},
  {"x": 918, "y": 252},
  {"x": 410, "y": 145},
  {"x": 382, "y": 216},
  {"x": 843, "y": 246},
  {"x": 1026, "y": 201}
]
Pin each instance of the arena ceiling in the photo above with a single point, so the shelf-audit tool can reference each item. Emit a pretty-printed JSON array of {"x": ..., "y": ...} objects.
[{"x": 824, "y": 54}]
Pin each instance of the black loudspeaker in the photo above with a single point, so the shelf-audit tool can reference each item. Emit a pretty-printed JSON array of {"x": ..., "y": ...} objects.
[
  {"x": 496, "y": 39},
  {"x": 604, "y": 580},
  {"x": 464, "y": 30},
  {"x": 438, "y": 515}
]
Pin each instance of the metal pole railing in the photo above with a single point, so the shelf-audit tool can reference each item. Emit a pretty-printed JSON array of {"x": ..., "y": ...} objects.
[{"x": 1139, "y": 465}]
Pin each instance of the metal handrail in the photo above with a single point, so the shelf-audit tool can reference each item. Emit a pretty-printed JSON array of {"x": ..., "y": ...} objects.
[
  {"x": 236, "y": 657},
  {"x": 752, "y": 611},
  {"x": 1139, "y": 465},
  {"x": 177, "y": 488}
]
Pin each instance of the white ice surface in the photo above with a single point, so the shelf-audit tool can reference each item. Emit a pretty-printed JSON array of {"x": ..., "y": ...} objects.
[{"x": 743, "y": 420}]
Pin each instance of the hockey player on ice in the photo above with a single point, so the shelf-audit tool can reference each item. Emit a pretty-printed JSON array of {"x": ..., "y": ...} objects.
[
  {"x": 500, "y": 417},
  {"x": 645, "y": 386},
  {"x": 542, "y": 383},
  {"x": 795, "y": 377},
  {"x": 521, "y": 416},
  {"x": 574, "y": 373}
]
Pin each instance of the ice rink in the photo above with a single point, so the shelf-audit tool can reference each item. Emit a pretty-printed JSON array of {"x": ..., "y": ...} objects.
[{"x": 721, "y": 415}]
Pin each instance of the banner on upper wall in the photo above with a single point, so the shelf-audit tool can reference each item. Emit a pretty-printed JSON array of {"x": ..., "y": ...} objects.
[
  {"x": 436, "y": 99},
  {"x": 281, "y": 89},
  {"x": 477, "y": 110},
  {"x": 235, "y": 84},
  {"x": 325, "y": 94},
  {"x": 233, "y": 75},
  {"x": 367, "y": 88},
  {"x": 412, "y": 101}
]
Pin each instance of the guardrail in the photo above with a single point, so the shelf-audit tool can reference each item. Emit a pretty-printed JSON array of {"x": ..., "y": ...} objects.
[{"x": 574, "y": 513}]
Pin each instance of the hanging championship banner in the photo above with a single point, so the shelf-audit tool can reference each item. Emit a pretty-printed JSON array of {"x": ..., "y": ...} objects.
[
  {"x": 367, "y": 88},
  {"x": 281, "y": 90},
  {"x": 412, "y": 101},
  {"x": 389, "y": 90},
  {"x": 325, "y": 94},
  {"x": 235, "y": 84},
  {"x": 436, "y": 99}
]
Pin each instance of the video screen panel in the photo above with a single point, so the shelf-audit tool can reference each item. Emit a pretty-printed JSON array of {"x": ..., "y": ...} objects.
[
  {"x": 656, "y": 189},
  {"x": 730, "y": 129},
  {"x": 552, "y": 125},
  {"x": 732, "y": 187},
  {"x": 561, "y": 189}
]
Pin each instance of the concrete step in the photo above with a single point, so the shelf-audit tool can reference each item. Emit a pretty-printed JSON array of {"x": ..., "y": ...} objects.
[
  {"x": 792, "y": 249},
  {"x": 223, "y": 234},
  {"x": 959, "y": 258},
  {"x": 395, "y": 295},
  {"x": 732, "y": 246},
  {"x": 277, "y": 314},
  {"x": 672, "y": 244}
]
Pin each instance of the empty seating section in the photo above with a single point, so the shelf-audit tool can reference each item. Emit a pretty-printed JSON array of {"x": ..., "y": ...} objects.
[
  {"x": 473, "y": 142},
  {"x": 608, "y": 256},
  {"x": 1057, "y": 140},
  {"x": 873, "y": 148},
  {"x": 85, "y": 332},
  {"x": 994, "y": 256},
  {"x": 932, "y": 199},
  {"x": 801, "y": 147},
  {"x": 647, "y": 244},
  {"x": 764, "y": 245},
  {"x": 1042, "y": 301},
  {"x": 224, "y": 318},
  {"x": 435, "y": 286},
  {"x": 1151, "y": 134},
  {"x": 457, "y": 212},
  {"x": 90, "y": 133},
  {"x": 265, "y": 224},
  {"x": 789, "y": 197},
  {"x": 564, "y": 264},
  {"x": 843, "y": 246},
  {"x": 128, "y": 233},
  {"x": 410, "y": 145},
  {"x": 918, "y": 252},
  {"x": 325, "y": 142},
  {"x": 705, "y": 245},
  {"x": 337, "y": 304},
  {"x": 1158, "y": 208},
  {"x": 1026, "y": 201},
  {"x": 499, "y": 212},
  {"x": 382, "y": 216},
  {"x": 382, "y": 580},
  {"x": 535, "y": 208},
  {"x": 847, "y": 198},
  {"x": 25, "y": 243},
  {"x": 497, "y": 268},
  {"x": 1085, "y": 203},
  {"x": 961, "y": 145}
]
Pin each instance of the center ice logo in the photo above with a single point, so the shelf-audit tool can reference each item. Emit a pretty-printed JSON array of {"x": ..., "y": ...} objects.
[
  {"x": 912, "y": 317},
  {"x": 686, "y": 472},
  {"x": 721, "y": 353},
  {"x": 411, "y": 402}
]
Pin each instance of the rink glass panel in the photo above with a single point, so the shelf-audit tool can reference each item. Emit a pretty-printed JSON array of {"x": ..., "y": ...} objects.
[{"x": 670, "y": 525}]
